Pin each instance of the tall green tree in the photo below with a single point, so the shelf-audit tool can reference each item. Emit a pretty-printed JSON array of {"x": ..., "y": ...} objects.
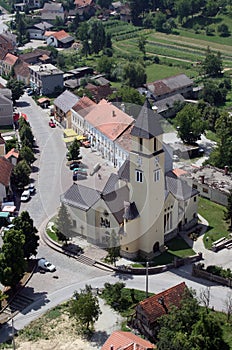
[
  {"x": 97, "y": 36},
  {"x": 141, "y": 45},
  {"x": 26, "y": 136},
  {"x": 27, "y": 154},
  {"x": 105, "y": 65},
  {"x": 126, "y": 95},
  {"x": 25, "y": 224},
  {"x": 74, "y": 150},
  {"x": 212, "y": 64},
  {"x": 63, "y": 224},
  {"x": 12, "y": 262},
  {"x": 190, "y": 124},
  {"x": 84, "y": 307},
  {"x": 21, "y": 174},
  {"x": 134, "y": 74},
  {"x": 16, "y": 87}
]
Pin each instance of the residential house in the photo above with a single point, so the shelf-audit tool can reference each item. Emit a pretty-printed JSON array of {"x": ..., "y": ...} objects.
[
  {"x": 7, "y": 64},
  {"x": 51, "y": 10},
  {"x": 59, "y": 39},
  {"x": 145, "y": 203},
  {"x": 2, "y": 146},
  {"x": 151, "y": 309},
  {"x": 120, "y": 340},
  {"x": 30, "y": 4},
  {"x": 211, "y": 182},
  {"x": 85, "y": 8},
  {"x": 99, "y": 92},
  {"x": 38, "y": 30},
  {"x": 37, "y": 56},
  {"x": 21, "y": 72},
  {"x": 44, "y": 102},
  {"x": 79, "y": 111},
  {"x": 8, "y": 42},
  {"x": 125, "y": 13},
  {"x": 45, "y": 79},
  {"x": 177, "y": 84},
  {"x": 72, "y": 78},
  {"x": 12, "y": 156},
  {"x": 6, "y": 110},
  {"x": 5, "y": 173},
  {"x": 167, "y": 106},
  {"x": 62, "y": 107}
]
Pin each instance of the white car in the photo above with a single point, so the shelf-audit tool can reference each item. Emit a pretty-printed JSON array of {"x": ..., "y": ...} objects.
[
  {"x": 30, "y": 188},
  {"x": 46, "y": 265},
  {"x": 25, "y": 196}
]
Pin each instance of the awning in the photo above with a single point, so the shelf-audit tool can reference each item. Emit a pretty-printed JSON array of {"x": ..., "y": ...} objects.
[
  {"x": 71, "y": 139},
  {"x": 4, "y": 214},
  {"x": 69, "y": 133},
  {"x": 9, "y": 208}
]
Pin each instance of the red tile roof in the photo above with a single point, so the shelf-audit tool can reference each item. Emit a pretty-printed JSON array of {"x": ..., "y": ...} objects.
[
  {"x": 5, "y": 171},
  {"x": 109, "y": 120},
  {"x": 178, "y": 172},
  {"x": 58, "y": 35},
  {"x": 83, "y": 3},
  {"x": 155, "y": 306},
  {"x": 43, "y": 99},
  {"x": 99, "y": 92},
  {"x": 10, "y": 59},
  {"x": 126, "y": 340},
  {"x": 12, "y": 153},
  {"x": 22, "y": 69},
  {"x": 84, "y": 106}
]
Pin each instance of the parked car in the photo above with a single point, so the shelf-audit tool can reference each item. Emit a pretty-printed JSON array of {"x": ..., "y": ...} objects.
[
  {"x": 86, "y": 144},
  {"x": 51, "y": 124},
  {"x": 25, "y": 196},
  {"x": 30, "y": 188},
  {"x": 46, "y": 265}
]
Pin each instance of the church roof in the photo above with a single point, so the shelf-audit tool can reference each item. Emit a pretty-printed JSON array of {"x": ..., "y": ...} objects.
[
  {"x": 178, "y": 186},
  {"x": 124, "y": 171},
  {"x": 131, "y": 212},
  {"x": 148, "y": 123},
  {"x": 110, "y": 185},
  {"x": 115, "y": 202},
  {"x": 81, "y": 197}
]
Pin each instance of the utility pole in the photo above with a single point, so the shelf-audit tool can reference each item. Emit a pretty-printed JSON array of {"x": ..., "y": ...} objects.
[
  {"x": 147, "y": 279},
  {"x": 13, "y": 339}
]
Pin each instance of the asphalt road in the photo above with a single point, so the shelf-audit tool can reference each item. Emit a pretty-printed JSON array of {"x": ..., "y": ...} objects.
[{"x": 52, "y": 178}]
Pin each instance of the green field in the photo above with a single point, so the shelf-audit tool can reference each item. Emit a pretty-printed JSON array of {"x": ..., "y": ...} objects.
[{"x": 214, "y": 214}]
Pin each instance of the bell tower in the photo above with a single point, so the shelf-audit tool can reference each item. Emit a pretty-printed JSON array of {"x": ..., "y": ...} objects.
[{"x": 144, "y": 234}]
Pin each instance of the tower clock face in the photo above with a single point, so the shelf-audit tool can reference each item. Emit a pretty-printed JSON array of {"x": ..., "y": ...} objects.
[{"x": 139, "y": 161}]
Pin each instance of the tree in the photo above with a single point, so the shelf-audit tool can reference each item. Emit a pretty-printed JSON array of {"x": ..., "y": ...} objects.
[
  {"x": 105, "y": 65},
  {"x": 141, "y": 45},
  {"x": 11, "y": 144},
  {"x": 20, "y": 174},
  {"x": 134, "y": 74},
  {"x": 183, "y": 9},
  {"x": 212, "y": 64},
  {"x": 228, "y": 211},
  {"x": 223, "y": 30},
  {"x": 27, "y": 154},
  {"x": 113, "y": 247},
  {"x": 25, "y": 224},
  {"x": 74, "y": 150},
  {"x": 113, "y": 294},
  {"x": 213, "y": 93},
  {"x": 84, "y": 307},
  {"x": 159, "y": 20},
  {"x": 127, "y": 95},
  {"x": 190, "y": 124},
  {"x": 97, "y": 36},
  {"x": 12, "y": 263},
  {"x": 26, "y": 136},
  {"x": 104, "y": 3},
  {"x": 16, "y": 87},
  {"x": 63, "y": 224}
]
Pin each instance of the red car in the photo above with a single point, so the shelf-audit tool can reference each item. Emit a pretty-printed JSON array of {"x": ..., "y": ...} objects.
[
  {"x": 86, "y": 144},
  {"x": 52, "y": 124}
]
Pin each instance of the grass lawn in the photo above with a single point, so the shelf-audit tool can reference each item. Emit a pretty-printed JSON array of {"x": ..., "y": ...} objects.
[
  {"x": 211, "y": 136},
  {"x": 177, "y": 248},
  {"x": 161, "y": 71},
  {"x": 214, "y": 214}
]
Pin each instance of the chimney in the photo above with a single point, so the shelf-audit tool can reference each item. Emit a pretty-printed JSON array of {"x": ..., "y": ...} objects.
[
  {"x": 202, "y": 177},
  {"x": 226, "y": 170},
  {"x": 111, "y": 347},
  {"x": 113, "y": 114}
]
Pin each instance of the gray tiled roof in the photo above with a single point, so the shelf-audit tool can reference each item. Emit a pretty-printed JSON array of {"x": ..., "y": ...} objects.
[
  {"x": 81, "y": 197},
  {"x": 148, "y": 123},
  {"x": 131, "y": 212},
  {"x": 115, "y": 202},
  {"x": 66, "y": 40},
  {"x": 66, "y": 101},
  {"x": 110, "y": 185},
  {"x": 124, "y": 171},
  {"x": 179, "y": 187},
  {"x": 43, "y": 25},
  {"x": 166, "y": 103}
]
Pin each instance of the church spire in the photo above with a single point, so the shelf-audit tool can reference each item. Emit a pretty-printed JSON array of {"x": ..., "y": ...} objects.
[{"x": 148, "y": 123}]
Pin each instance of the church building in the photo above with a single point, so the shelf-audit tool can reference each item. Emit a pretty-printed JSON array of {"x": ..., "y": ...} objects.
[{"x": 144, "y": 205}]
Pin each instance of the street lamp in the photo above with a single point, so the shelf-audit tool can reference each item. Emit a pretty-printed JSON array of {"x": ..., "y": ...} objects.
[{"x": 147, "y": 279}]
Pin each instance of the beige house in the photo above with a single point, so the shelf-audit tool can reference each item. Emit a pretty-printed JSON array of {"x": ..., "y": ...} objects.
[
  {"x": 6, "y": 110},
  {"x": 5, "y": 173},
  {"x": 145, "y": 204}
]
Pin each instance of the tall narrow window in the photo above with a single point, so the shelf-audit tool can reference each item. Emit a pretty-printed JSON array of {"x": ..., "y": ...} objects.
[
  {"x": 138, "y": 175},
  {"x": 156, "y": 175},
  {"x": 155, "y": 145},
  {"x": 140, "y": 144}
]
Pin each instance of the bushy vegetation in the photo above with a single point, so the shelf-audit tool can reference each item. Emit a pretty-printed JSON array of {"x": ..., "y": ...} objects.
[{"x": 219, "y": 271}]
